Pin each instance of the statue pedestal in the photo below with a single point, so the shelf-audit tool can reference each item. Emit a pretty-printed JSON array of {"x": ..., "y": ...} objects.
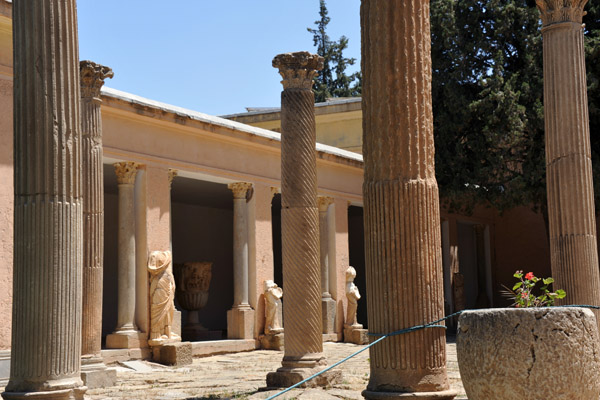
[
  {"x": 173, "y": 352},
  {"x": 272, "y": 341},
  {"x": 356, "y": 334}
]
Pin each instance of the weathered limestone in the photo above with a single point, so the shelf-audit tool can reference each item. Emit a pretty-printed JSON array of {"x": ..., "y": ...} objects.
[
  {"x": 126, "y": 335},
  {"x": 504, "y": 353},
  {"x": 328, "y": 305},
  {"x": 240, "y": 319},
  {"x": 93, "y": 370},
  {"x": 299, "y": 223},
  {"x": 353, "y": 331},
  {"x": 571, "y": 213},
  {"x": 402, "y": 217},
  {"x": 273, "y": 337},
  {"x": 47, "y": 298}
]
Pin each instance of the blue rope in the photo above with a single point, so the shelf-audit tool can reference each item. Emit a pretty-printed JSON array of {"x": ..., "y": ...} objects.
[{"x": 433, "y": 324}]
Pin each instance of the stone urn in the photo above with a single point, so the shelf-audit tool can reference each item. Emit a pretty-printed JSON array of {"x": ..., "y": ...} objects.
[
  {"x": 193, "y": 282},
  {"x": 529, "y": 353}
]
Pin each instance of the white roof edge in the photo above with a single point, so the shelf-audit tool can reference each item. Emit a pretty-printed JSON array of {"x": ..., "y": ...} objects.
[
  {"x": 222, "y": 122},
  {"x": 269, "y": 110}
]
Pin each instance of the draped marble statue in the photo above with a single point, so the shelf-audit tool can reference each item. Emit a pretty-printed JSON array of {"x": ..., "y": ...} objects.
[{"x": 162, "y": 294}]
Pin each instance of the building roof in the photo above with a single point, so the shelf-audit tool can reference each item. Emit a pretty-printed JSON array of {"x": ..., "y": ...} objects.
[
  {"x": 219, "y": 121},
  {"x": 334, "y": 105}
]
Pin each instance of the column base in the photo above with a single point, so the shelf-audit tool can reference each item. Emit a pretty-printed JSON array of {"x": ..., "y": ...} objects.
[
  {"x": 64, "y": 394},
  {"x": 443, "y": 395},
  {"x": 126, "y": 340},
  {"x": 285, "y": 377},
  {"x": 240, "y": 323},
  {"x": 95, "y": 374},
  {"x": 328, "y": 308}
]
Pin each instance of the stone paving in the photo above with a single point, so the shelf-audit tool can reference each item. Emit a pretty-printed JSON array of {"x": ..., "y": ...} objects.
[{"x": 242, "y": 376}]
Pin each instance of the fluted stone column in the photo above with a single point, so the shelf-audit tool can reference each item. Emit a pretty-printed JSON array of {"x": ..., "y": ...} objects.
[
  {"x": 46, "y": 319},
  {"x": 93, "y": 371},
  {"x": 572, "y": 222},
  {"x": 126, "y": 334},
  {"x": 299, "y": 222},
  {"x": 328, "y": 305},
  {"x": 402, "y": 217},
  {"x": 240, "y": 319}
]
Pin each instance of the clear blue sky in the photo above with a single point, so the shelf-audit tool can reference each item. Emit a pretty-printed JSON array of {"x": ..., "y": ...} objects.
[{"x": 212, "y": 56}]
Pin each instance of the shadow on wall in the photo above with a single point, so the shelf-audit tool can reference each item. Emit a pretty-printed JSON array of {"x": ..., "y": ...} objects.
[
  {"x": 356, "y": 244},
  {"x": 206, "y": 234}
]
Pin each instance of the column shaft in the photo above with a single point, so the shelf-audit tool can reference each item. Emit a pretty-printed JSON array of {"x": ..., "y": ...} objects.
[
  {"x": 240, "y": 253},
  {"x": 126, "y": 259},
  {"x": 571, "y": 212},
  {"x": 402, "y": 218},
  {"x": 240, "y": 319},
  {"x": 92, "y": 79},
  {"x": 299, "y": 222},
  {"x": 46, "y": 324}
]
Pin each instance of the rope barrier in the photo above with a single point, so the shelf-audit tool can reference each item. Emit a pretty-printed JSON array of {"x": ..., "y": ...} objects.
[{"x": 433, "y": 324}]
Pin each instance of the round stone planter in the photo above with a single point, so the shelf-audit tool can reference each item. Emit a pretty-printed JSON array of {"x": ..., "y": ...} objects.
[{"x": 529, "y": 353}]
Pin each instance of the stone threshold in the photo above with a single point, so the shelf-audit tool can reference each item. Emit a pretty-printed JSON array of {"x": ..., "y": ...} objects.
[{"x": 199, "y": 349}]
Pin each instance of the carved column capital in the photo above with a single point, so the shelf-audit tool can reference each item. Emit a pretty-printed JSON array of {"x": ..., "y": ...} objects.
[
  {"x": 92, "y": 78},
  {"x": 324, "y": 202},
  {"x": 126, "y": 172},
  {"x": 239, "y": 189},
  {"x": 557, "y": 11},
  {"x": 298, "y": 69},
  {"x": 172, "y": 174}
]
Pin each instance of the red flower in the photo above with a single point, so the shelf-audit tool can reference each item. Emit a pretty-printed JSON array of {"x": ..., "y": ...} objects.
[
  {"x": 529, "y": 276},
  {"x": 524, "y": 295}
]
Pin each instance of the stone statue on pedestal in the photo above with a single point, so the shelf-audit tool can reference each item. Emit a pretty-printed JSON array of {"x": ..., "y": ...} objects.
[
  {"x": 273, "y": 294},
  {"x": 162, "y": 294},
  {"x": 353, "y": 331}
]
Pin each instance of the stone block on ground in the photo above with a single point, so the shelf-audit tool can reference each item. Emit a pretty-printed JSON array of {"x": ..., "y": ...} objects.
[
  {"x": 240, "y": 323},
  {"x": 272, "y": 341},
  {"x": 356, "y": 335},
  {"x": 176, "y": 354},
  {"x": 99, "y": 378}
]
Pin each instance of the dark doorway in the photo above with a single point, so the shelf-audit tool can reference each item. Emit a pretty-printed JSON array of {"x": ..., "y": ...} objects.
[{"x": 356, "y": 244}]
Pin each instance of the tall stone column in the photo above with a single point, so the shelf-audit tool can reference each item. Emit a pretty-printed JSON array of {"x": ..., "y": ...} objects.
[
  {"x": 299, "y": 222},
  {"x": 402, "y": 216},
  {"x": 93, "y": 371},
  {"x": 126, "y": 335},
  {"x": 328, "y": 304},
  {"x": 572, "y": 221},
  {"x": 46, "y": 319},
  {"x": 240, "y": 319}
]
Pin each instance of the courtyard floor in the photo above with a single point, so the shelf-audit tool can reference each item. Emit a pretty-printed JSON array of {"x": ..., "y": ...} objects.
[{"x": 242, "y": 376}]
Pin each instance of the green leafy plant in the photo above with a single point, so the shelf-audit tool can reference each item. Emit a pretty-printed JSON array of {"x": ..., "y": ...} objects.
[{"x": 522, "y": 291}]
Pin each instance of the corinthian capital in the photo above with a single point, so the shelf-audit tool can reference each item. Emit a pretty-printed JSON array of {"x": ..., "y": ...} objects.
[
  {"x": 92, "y": 78},
  {"x": 556, "y": 11},
  {"x": 239, "y": 189},
  {"x": 126, "y": 172},
  {"x": 324, "y": 202},
  {"x": 298, "y": 69}
]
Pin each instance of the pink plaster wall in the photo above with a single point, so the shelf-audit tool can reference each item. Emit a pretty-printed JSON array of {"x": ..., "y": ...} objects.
[
  {"x": 6, "y": 210},
  {"x": 342, "y": 260},
  {"x": 263, "y": 259},
  {"x": 158, "y": 200}
]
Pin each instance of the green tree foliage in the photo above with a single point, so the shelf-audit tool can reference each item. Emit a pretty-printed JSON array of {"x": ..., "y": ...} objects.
[
  {"x": 488, "y": 101},
  {"x": 332, "y": 80}
]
